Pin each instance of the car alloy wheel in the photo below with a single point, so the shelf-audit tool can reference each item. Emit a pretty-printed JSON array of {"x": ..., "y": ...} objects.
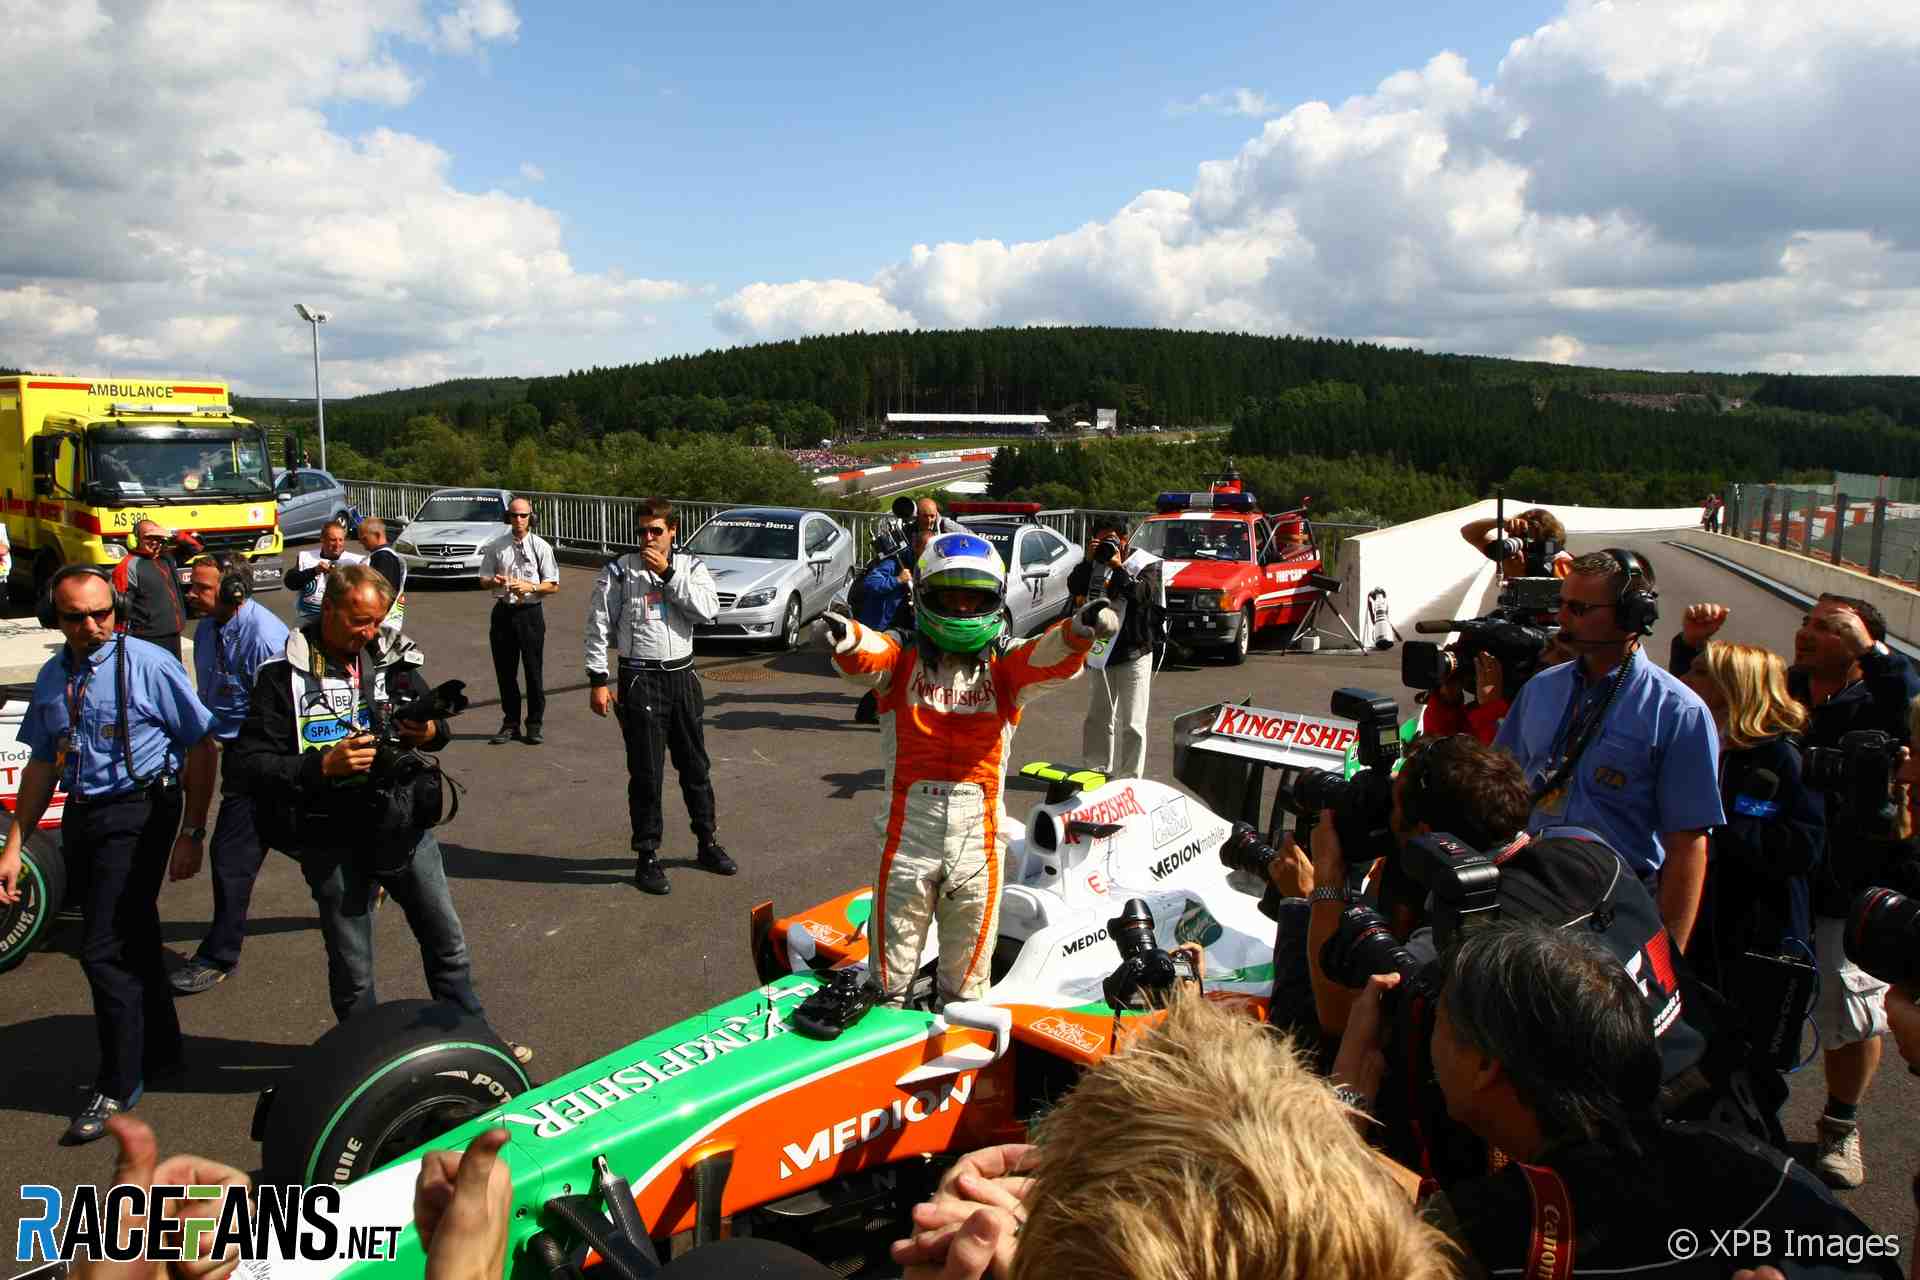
[{"x": 790, "y": 625}]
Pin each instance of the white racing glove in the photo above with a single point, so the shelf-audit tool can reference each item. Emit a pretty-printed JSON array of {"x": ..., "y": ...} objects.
[
  {"x": 833, "y": 631},
  {"x": 1097, "y": 619}
]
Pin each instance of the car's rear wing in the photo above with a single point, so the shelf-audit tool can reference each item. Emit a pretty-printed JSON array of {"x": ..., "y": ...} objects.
[{"x": 1222, "y": 753}]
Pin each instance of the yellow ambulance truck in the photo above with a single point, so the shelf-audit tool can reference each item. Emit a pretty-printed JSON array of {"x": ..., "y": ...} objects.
[{"x": 83, "y": 460}]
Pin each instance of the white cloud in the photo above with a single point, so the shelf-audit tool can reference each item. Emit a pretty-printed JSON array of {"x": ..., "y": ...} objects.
[
  {"x": 155, "y": 226},
  {"x": 1229, "y": 102},
  {"x": 1685, "y": 184},
  {"x": 532, "y": 172}
]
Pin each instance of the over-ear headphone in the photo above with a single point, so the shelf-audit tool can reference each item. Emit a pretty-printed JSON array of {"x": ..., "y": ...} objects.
[
  {"x": 236, "y": 580},
  {"x": 1637, "y": 608},
  {"x": 50, "y": 617}
]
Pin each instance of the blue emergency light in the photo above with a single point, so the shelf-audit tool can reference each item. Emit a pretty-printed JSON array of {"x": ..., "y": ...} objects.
[{"x": 1211, "y": 501}]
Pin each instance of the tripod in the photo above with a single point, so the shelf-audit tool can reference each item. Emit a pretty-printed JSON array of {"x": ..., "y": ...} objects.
[{"x": 1311, "y": 625}]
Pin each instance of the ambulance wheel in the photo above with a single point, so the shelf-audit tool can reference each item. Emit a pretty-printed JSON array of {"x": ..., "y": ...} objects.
[
  {"x": 43, "y": 891},
  {"x": 381, "y": 1084},
  {"x": 1243, "y": 642}
]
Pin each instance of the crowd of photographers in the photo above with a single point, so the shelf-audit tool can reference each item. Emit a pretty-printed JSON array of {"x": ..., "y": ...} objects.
[{"x": 1554, "y": 956}]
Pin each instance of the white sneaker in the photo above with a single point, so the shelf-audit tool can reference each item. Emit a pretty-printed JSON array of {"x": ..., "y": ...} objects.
[{"x": 1840, "y": 1163}]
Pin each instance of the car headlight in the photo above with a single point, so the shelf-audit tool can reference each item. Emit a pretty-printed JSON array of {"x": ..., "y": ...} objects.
[
  {"x": 1218, "y": 601},
  {"x": 406, "y": 548},
  {"x": 756, "y": 599},
  {"x": 263, "y": 543},
  {"x": 115, "y": 552}
]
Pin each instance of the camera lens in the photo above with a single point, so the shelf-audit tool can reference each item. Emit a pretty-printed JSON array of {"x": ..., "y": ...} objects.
[
  {"x": 1883, "y": 936},
  {"x": 1362, "y": 946},
  {"x": 1244, "y": 850},
  {"x": 1132, "y": 929},
  {"x": 1318, "y": 789}
]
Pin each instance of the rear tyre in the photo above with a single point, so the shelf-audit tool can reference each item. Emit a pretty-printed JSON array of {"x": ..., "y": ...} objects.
[
  {"x": 43, "y": 883},
  {"x": 1242, "y": 643},
  {"x": 379, "y": 1085}
]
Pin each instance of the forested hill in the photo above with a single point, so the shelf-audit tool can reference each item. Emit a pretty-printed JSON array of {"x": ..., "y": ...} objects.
[{"x": 1161, "y": 375}]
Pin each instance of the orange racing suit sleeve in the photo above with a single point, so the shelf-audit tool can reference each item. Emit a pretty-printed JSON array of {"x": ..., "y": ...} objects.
[
  {"x": 867, "y": 657},
  {"x": 1032, "y": 667}
]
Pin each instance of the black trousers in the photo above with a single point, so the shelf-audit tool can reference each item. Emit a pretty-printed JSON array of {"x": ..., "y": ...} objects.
[
  {"x": 519, "y": 638},
  {"x": 236, "y": 857},
  {"x": 117, "y": 853},
  {"x": 660, "y": 714}
]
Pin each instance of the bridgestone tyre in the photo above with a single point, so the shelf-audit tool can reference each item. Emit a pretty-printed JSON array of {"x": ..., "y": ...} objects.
[
  {"x": 1243, "y": 642},
  {"x": 381, "y": 1084},
  {"x": 43, "y": 883}
]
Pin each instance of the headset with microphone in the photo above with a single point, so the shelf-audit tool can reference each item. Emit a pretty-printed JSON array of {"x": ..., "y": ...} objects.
[
  {"x": 1637, "y": 608},
  {"x": 50, "y": 616}
]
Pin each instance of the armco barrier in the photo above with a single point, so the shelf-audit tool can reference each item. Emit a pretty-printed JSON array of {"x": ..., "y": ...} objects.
[
  {"x": 1900, "y": 604},
  {"x": 1428, "y": 570}
]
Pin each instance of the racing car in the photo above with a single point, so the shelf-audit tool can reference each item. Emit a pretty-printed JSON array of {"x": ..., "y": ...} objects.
[
  {"x": 753, "y": 1118},
  {"x": 24, "y": 925}
]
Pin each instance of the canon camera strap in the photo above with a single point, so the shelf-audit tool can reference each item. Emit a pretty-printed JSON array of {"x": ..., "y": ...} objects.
[{"x": 1550, "y": 1250}]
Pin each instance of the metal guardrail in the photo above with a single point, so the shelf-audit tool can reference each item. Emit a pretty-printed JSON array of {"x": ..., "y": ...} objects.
[
  {"x": 594, "y": 524},
  {"x": 1876, "y": 535}
]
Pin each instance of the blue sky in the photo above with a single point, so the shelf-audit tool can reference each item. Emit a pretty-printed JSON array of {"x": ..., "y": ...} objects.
[{"x": 478, "y": 187}]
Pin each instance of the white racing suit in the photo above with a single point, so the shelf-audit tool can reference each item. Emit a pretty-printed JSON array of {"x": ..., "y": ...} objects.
[{"x": 945, "y": 733}]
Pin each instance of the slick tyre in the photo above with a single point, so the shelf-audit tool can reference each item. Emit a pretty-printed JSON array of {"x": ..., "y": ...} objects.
[
  {"x": 381, "y": 1084},
  {"x": 43, "y": 884}
]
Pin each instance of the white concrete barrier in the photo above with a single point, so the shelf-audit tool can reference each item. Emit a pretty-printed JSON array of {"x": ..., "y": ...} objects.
[
  {"x": 1428, "y": 570},
  {"x": 1900, "y": 604}
]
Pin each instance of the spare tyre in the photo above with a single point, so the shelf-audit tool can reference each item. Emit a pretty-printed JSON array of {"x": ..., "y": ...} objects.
[
  {"x": 381, "y": 1084},
  {"x": 24, "y": 925}
]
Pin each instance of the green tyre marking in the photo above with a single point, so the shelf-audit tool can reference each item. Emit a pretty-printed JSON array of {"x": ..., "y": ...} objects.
[{"x": 387, "y": 1070}]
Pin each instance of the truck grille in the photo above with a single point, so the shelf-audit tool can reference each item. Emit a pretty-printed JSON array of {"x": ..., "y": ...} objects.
[
  {"x": 230, "y": 541},
  {"x": 1180, "y": 599},
  {"x": 442, "y": 550}
]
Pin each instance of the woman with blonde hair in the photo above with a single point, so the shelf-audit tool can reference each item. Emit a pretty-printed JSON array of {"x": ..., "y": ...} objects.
[{"x": 1756, "y": 898}]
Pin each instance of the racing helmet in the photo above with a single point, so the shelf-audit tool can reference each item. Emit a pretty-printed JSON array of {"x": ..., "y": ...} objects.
[{"x": 959, "y": 588}]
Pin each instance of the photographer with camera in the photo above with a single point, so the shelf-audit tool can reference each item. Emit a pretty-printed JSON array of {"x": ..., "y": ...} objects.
[
  {"x": 1532, "y": 544},
  {"x": 1616, "y": 747},
  {"x": 1113, "y": 740},
  {"x": 1543, "y": 1047},
  {"x": 882, "y": 598},
  {"x": 1857, "y": 692},
  {"x": 329, "y": 751}
]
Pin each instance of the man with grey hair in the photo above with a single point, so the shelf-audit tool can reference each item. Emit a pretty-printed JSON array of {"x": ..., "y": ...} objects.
[
  {"x": 151, "y": 580},
  {"x": 1543, "y": 1048}
]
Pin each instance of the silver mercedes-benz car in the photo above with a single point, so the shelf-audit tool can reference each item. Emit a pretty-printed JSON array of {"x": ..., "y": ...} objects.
[
  {"x": 449, "y": 535},
  {"x": 777, "y": 568}
]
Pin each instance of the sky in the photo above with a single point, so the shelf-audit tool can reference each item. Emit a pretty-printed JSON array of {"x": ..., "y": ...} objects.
[{"x": 478, "y": 187}]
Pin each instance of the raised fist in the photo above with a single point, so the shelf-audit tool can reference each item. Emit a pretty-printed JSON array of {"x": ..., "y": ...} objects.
[
  {"x": 1700, "y": 622},
  {"x": 1097, "y": 618},
  {"x": 831, "y": 630}
]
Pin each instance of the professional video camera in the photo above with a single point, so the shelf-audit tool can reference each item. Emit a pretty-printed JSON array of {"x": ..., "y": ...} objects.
[
  {"x": 390, "y": 754},
  {"x": 1362, "y": 804},
  {"x": 893, "y": 536},
  {"x": 1883, "y": 936},
  {"x": 1859, "y": 773},
  {"x": 1508, "y": 633}
]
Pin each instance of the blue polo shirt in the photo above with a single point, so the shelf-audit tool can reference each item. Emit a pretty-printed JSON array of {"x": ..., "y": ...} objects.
[
  {"x": 164, "y": 718},
  {"x": 1653, "y": 767},
  {"x": 225, "y": 657}
]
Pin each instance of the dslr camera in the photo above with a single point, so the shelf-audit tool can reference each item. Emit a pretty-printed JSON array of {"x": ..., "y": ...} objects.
[
  {"x": 1858, "y": 773},
  {"x": 1883, "y": 931},
  {"x": 394, "y": 759},
  {"x": 1509, "y": 633},
  {"x": 1104, "y": 551},
  {"x": 1362, "y": 805}
]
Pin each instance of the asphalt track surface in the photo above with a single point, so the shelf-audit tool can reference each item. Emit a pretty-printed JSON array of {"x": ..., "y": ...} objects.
[{"x": 571, "y": 959}]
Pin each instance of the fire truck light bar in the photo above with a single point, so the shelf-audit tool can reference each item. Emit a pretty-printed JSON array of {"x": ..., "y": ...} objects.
[{"x": 1214, "y": 501}]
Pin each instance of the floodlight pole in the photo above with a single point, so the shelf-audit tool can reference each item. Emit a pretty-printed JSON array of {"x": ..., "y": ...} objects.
[{"x": 315, "y": 319}]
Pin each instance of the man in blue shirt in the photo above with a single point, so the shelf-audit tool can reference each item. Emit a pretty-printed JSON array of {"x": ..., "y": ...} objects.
[
  {"x": 113, "y": 720},
  {"x": 235, "y": 637},
  {"x": 882, "y": 594},
  {"x": 1613, "y": 744}
]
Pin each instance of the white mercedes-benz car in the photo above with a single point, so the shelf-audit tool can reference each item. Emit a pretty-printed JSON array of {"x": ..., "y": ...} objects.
[
  {"x": 776, "y": 568},
  {"x": 449, "y": 535}
]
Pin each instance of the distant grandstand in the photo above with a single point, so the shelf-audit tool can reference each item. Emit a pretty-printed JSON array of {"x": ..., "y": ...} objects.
[{"x": 968, "y": 423}]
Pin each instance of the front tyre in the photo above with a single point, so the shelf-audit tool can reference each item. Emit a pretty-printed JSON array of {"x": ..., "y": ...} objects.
[
  {"x": 381, "y": 1084},
  {"x": 790, "y": 636},
  {"x": 43, "y": 884},
  {"x": 1243, "y": 642}
]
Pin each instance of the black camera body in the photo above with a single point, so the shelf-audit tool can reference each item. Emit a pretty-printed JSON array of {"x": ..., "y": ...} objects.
[
  {"x": 1858, "y": 771},
  {"x": 391, "y": 756},
  {"x": 1147, "y": 975},
  {"x": 1104, "y": 551},
  {"x": 1362, "y": 805},
  {"x": 1464, "y": 886},
  {"x": 1508, "y": 633}
]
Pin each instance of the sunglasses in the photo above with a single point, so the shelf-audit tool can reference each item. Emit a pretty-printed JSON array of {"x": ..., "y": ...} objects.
[
  {"x": 519, "y": 515},
  {"x": 653, "y": 530},
  {"x": 1581, "y": 609},
  {"x": 74, "y": 619}
]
